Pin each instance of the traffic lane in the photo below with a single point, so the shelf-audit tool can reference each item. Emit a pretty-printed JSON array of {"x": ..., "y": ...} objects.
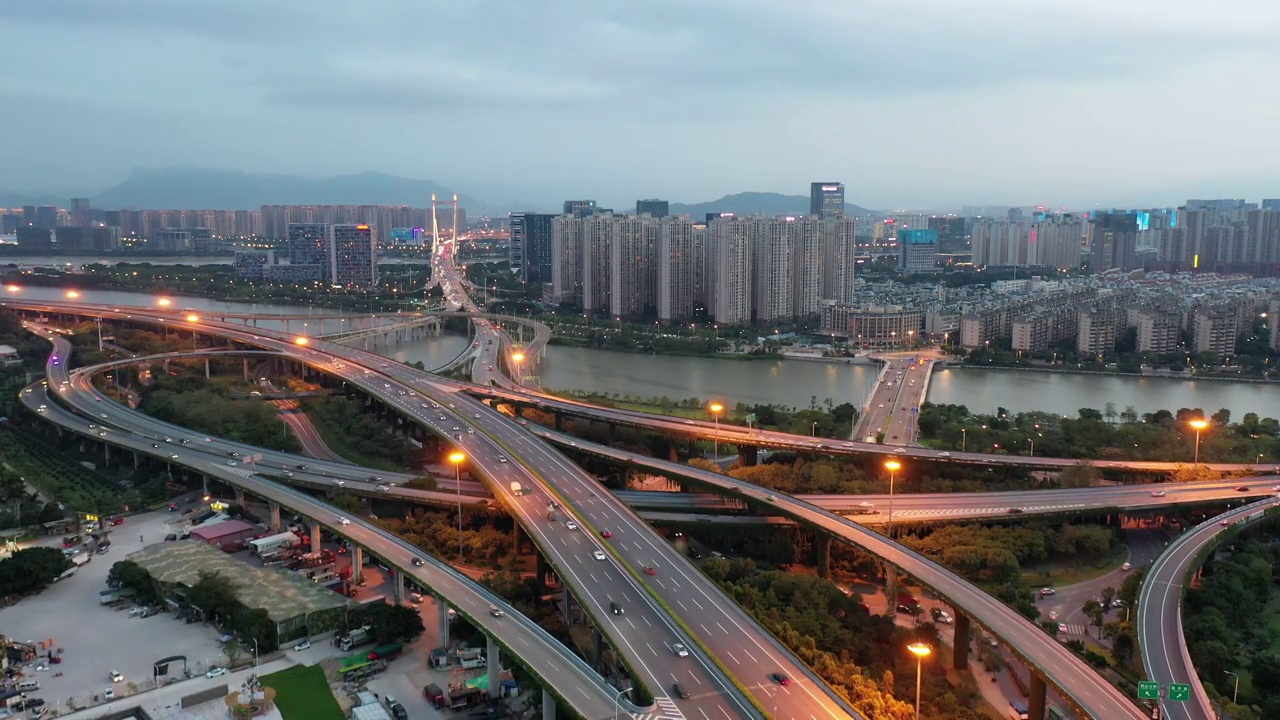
[
  {"x": 642, "y": 547},
  {"x": 1062, "y": 668},
  {"x": 597, "y": 595},
  {"x": 462, "y": 597}
]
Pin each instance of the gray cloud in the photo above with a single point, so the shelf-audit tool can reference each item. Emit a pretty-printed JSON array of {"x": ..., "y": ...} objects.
[{"x": 671, "y": 79}]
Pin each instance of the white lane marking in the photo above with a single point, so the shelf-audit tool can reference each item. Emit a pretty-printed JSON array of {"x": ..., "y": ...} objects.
[
  {"x": 695, "y": 602},
  {"x": 726, "y": 632}
]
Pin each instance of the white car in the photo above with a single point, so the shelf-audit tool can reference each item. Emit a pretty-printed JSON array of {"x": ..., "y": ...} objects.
[
  {"x": 1158, "y": 493},
  {"x": 108, "y": 694},
  {"x": 215, "y": 672},
  {"x": 680, "y": 650},
  {"x": 571, "y": 525},
  {"x": 1126, "y": 566},
  {"x": 343, "y": 521},
  {"x": 598, "y": 554},
  {"x": 304, "y": 645},
  {"x": 116, "y": 676}
]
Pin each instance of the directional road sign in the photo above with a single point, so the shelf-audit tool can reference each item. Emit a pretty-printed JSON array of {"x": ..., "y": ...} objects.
[
  {"x": 1148, "y": 690},
  {"x": 1178, "y": 692}
]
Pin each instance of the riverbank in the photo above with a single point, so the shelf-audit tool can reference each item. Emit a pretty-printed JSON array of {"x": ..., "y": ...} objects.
[{"x": 1108, "y": 373}]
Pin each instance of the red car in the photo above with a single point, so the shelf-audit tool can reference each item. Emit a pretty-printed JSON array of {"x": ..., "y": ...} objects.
[
  {"x": 781, "y": 679},
  {"x": 606, "y": 534},
  {"x": 117, "y": 521},
  {"x": 650, "y": 571}
]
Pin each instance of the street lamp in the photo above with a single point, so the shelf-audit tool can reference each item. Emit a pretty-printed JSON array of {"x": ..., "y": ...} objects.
[
  {"x": 300, "y": 340},
  {"x": 1198, "y": 425},
  {"x": 616, "y": 698},
  {"x": 193, "y": 318},
  {"x": 716, "y": 408},
  {"x": 518, "y": 357},
  {"x": 1033, "y": 446},
  {"x": 456, "y": 458},
  {"x": 892, "y": 466},
  {"x": 164, "y": 302},
  {"x": 813, "y": 431},
  {"x": 73, "y": 294},
  {"x": 921, "y": 651},
  {"x": 964, "y": 438},
  {"x": 1235, "y": 695}
]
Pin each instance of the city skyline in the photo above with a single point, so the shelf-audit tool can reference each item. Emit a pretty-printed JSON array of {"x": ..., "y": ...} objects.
[{"x": 922, "y": 107}]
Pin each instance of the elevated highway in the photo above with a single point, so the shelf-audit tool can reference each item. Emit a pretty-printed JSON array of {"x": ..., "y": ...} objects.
[
  {"x": 1083, "y": 688},
  {"x": 646, "y": 633},
  {"x": 563, "y": 674},
  {"x": 1160, "y": 637}
]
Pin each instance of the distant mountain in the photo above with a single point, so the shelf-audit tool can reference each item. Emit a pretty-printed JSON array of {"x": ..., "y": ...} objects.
[
  {"x": 756, "y": 203},
  {"x": 17, "y": 200},
  {"x": 203, "y": 188}
]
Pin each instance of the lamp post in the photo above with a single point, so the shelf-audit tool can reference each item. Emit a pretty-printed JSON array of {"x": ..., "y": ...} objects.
[
  {"x": 892, "y": 466},
  {"x": 255, "y": 652},
  {"x": 1235, "y": 695},
  {"x": 921, "y": 651},
  {"x": 1033, "y": 446},
  {"x": 517, "y": 358},
  {"x": 456, "y": 458},
  {"x": 716, "y": 408},
  {"x": 964, "y": 438},
  {"x": 616, "y": 698},
  {"x": 813, "y": 431},
  {"x": 1198, "y": 425}
]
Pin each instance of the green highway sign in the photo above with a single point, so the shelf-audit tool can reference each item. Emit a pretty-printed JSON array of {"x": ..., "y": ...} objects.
[
  {"x": 1179, "y": 692},
  {"x": 1148, "y": 690},
  {"x": 751, "y": 418}
]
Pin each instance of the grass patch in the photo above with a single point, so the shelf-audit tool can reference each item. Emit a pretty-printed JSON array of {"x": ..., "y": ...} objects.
[
  {"x": 303, "y": 694},
  {"x": 339, "y": 443},
  {"x": 1067, "y": 572}
]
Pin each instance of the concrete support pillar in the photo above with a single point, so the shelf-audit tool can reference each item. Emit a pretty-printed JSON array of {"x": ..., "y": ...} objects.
[
  {"x": 246, "y": 371},
  {"x": 960, "y": 649},
  {"x": 598, "y": 638},
  {"x": 442, "y": 622},
  {"x": 357, "y": 563},
  {"x": 891, "y": 589},
  {"x": 543, "y": 568},
  {"x": 1036, "y": 702},
  {"x": 136, "y": 460},
  {"x": 748, "y": 454},
  {"x": 494, "y": 657},
  {"x": 106, "y": 454},
  {"x": 559, "y": 422},
  {"x": 275, "y": 516},
  {"x": 206, "y": 368},
  {"x": 822, "y": 554},
  {"x": 672, "y": 454},
  {"x": 548, "y": 705},
  {"x": 565, "y": 613},
  {"x": 204, "y": 486},
  {"x": 239, "y": 498},
  {"x": 397, "y": 586},
  {"x": 315, "y": 537}
]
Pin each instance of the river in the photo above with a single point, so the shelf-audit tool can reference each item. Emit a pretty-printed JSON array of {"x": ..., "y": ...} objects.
[{"x": 795, "y": 383}]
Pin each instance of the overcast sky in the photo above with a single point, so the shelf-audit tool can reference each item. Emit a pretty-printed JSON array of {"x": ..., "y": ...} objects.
[{"x": 910, "y": 103}]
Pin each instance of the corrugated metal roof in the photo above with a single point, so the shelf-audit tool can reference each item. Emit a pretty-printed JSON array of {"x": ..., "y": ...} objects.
[{"x": 222, "y": 529}]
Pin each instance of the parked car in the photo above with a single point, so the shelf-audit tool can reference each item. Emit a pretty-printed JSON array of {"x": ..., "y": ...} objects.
[{"x": 304, "y": 645}]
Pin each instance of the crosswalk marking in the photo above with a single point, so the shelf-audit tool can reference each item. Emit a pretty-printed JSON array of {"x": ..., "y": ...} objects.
[
  {"x": 667, "y": 710},
  {"x": 1076, "y": 630}
]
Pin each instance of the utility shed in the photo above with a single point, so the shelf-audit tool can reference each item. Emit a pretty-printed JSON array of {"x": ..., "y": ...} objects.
[{"x": 230, "y": 535}]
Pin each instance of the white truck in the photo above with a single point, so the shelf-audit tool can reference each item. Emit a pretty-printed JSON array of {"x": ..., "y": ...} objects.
[
  {"x": 80, "y": 558},
  {"x": 271, "y": 543},
  {"x": 517, "y": 489},
  {"x": 356, "y": 638}
]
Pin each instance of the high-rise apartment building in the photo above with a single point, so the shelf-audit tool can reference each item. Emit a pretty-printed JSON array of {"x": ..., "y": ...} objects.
[
  {"x": 678, "y": 271},
  {"x": 1159, "y": 331},
  {"x": 826, "y": 199},
  {"x": 34, "y": 239},
  {"x": 88, "y": 238},
  {"x": 1113, "y": 241},
  {"x": 81, "y": 212},
  {"x": 47, "y": 217},
  {"x": 632, "y": 270},
  {"x": 656, "y": 208},
  {"x": 772, "y": 255},
  {"x": 729, "y": 276},
  {"x": 565, "y": 286},
  {"x": 253, "y": 264},
  {"x": 308, "y": 246},
  {"x": 353, "y": 261},
  {"x": 173, "y": 241},
  {"x": 597, "y": 234},
  {"x": 580, "y": 208},
  {"x": 1214, "y": 331},
  {"x": 1096, "y": 331},
  {"x": 531, "y": 246},
  {"x": 808, "y": 248},
  {"x": 917, "y": 251},
  {"x": 952, "y": 238},
  {"x": 1273, "y": 322},
  {"x": 838, "y": 260}
]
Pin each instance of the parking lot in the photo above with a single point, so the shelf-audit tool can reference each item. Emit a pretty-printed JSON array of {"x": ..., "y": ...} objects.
[{"x": 95, "y": 639}]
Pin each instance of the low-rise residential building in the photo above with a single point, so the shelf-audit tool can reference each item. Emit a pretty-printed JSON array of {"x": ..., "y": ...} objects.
[
  {"x": 1214, "y": 331},
  {"x": 1159, "y": 331},
  {"x": 1096, "y": 331}
]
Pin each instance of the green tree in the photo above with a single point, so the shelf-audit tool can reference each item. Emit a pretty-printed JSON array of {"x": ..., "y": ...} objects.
[
  {"x": 31, "y": 570},
  {"x": 1094, "y": 611},
  {"x": 391, "y": 623},
  {"x": 231, "y": 649},
  {"x": 214, "y": 594}
]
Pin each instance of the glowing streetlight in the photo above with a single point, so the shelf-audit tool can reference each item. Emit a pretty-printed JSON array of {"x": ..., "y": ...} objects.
[
  {"x": 893, "y": 466},
  {"x": 456, "y": 458},
  {"x": 73, "y": 294},
  {"x": 1199, "y": 425},
  {"x": 715, "y": 409},
  {"x": 517, "y": 358},
  {"x": 921, "y": 651},
  {"x": 193, "y": 318},
  {"x": 301, "y": 340},
  {"x": 12, "y": 288},
  {"x": 164, "y": 302}
]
